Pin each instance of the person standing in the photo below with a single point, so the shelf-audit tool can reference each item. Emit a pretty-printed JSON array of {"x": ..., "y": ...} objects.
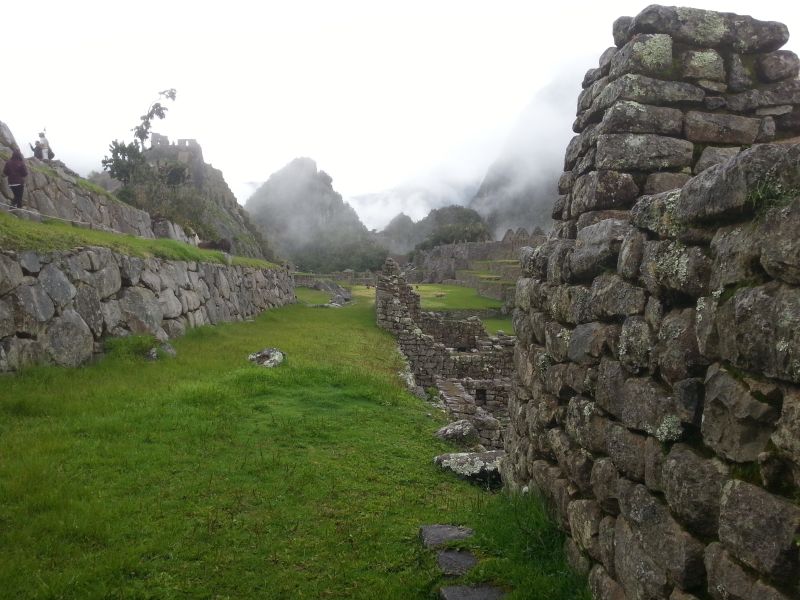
[
  {"x": 45, "y": 146},
  {"x": 16, "y": 171}
]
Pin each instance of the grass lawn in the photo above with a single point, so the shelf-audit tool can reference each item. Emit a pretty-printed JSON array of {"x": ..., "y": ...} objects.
[
  {"x": 203, "y": 476},
  {"x": 443, "y": 297},
  {"x": 310, "y": 296},
  {"x": 18, "y": 234},
  {"x": 494, "y": 325}
]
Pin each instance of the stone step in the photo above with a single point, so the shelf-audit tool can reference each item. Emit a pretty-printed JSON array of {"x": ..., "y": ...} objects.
[
  {"x": 455, "y": 563},
  {"x": 463, "y": 592},
  {"x": 433, "y": 536}
]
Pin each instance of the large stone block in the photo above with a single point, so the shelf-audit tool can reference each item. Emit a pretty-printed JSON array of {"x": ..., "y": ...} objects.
[
  {"x": 676, "y": 352},
  {"x": 32, "y": 308},
  {"x": 140, "y": 310},
  {"x": 775, "y": 66},
  {"x": 705, "y": 64},
  {"x": 761, "y": 530},
  {"x": 736, "y": 250},
  {"x": 597, "y": 248},
  {"x": 706, "y": 28},
  {"x": 786, "y": 92},
  {"x": 676, "y": 554},
  {"x": 584, "y": 523},
  {"x": 585, "y": 424},
  {"x": 589, "y": 341},
  {"x": 574, "y": 461},
  {"x": 656, "y": 213},
  {"x": 670, "y": 268},
  {"x": 657, "y": 183},
  {"x": 636, "y": 570},
  {"x": 787, "y": 433},
  {"x": 636, "y": 343},
  {"x": 717, "y": 128},
  {"x": 630, "y": 254},
  {"x": 727, "y": 580},
  {"x": 735, "y": 424},
  {"x": 780, "y": 257},
  {"x": 642, "y": 152},
  {"x": 627, "y": 116},
  {"x": 10, "y": 274},
  {"x": 68, "y": 340},
  {"x": 557, "y": 340},
  {"x": 87, "y": 305},
  {"x": 648, "y": 54},
  {"x": 713, "y": 155},
  {"x": 759, "y": 330},
  {"x": 599, "y": 190},
  {"x": 612, "y": 297},
  {"x": 740, "y": 186},
  {"x": 626, "y": 450},
  {"x": 692, "y": 487},
  {"x": 604, "y": 480},
  {"x": 570, "y": 304},
  {"x": 646, "y": 90},
  {"x": 603, "y": 587}
]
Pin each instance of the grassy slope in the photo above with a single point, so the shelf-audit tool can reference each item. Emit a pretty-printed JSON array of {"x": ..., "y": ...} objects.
[
  {"x": 205, "y": 477},
  {"x": 17, "y": 234},
  {"x": 454, "y": 297}
]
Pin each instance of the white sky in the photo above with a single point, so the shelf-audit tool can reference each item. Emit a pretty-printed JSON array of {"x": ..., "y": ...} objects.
[{"x": 377, "y": 92}]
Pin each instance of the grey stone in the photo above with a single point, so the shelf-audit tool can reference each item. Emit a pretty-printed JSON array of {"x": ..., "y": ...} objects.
[
  {"x": 30, "y": 262},
  {"x": 780, "y": 258},
  {"x": 653, "y": 465},
  {"x": 736, "y": 250},
  {"x": 676, "y": 555},
  {"x": 477, "y": 467},
  {"x": 565, "y": 184},
  {"x": 463, "y": 592},
  {"x": 642, "y": 152},
  {"x": 561, "y": 206},
  {"x": 627, "y": 116},
  {"x": 636, "y": 342},
  {"x": 32, "y": 308},
  {"x": 570, "y": 304},
  {"x": 434, "y": 536},
  {"x": 703, "y": 64},
  {"x": 576, "y": 559},
  {"x": 603, "y": 480},
  {"x": 656, "y": 213},
  {"x": 584, "y": 523},
  {"x": 140, "y": 310},
  {"x": 630, "y": 254},
  {"x": 455, "y": 563},
  {"x": 760, "y": 529},
  {"x": 612, "y": 296},
  {"x": 588, "y": 219},
  {"x": 706, "y": 327},
  {"x": 558, "y": 262},
  {"x": 740, "y": 77},
  {"x": 107, "y": 280},
  {"x": 603, "y": 587},
  {"x": 585, "y": 424},
  {"x": 676, "y": 352},
  {"x": 130, "y": 268},
  {"x": 170, "y": 305},
  {"x": 574, "y": 461},
  {"x": 597, "y": 248},
  {"x": 721, "y": 129},
  {"x": 7, "y": 326},
  {"x": 649, "y": 54},
  {"x": 626, "y": 450},
  {"x": 461, "y": 432},
  {"x": 557, "y": 340},
  {"x": 604, "y": 62},
  {"x": 10, "y": 274},
  {"x": 727, "y": 580},
  {"x": 68, "y": 340},
  {"x": 87, "y": 305},
  {"x": 589, "y": 341},
  {"x": 739, "y": 186},
  {"x": 692, "y": 487},
  {"x": 671, "y": 267},
  {"x": 663, "y": 182},
  {"x": 17, "y": 353},
  {"x": 621, "y": 30},
  {"x": 735, "y": 424},
  {"x": 599, "y": 190},
  {"x": 766, "y": 130},
  {"x": 57, "y": 286},
  {"x": 787, "y": 432},
  {"x": 759, "y": 330},
  {"x": 706, "y": 28},
  {"x": 772, "y": 94},
  {"x": 775, "y": 66},
  {"x": 112, "y": 315}
]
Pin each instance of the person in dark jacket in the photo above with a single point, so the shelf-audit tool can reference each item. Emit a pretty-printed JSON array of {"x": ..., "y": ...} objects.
[{"x": 16, "y": 171}]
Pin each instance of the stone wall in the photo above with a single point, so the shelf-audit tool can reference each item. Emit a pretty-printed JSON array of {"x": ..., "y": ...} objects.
[
  {"x": 656, "y": 401},
  {"x": 58, "y": 307},
  {"x": 449, "y": 355}
]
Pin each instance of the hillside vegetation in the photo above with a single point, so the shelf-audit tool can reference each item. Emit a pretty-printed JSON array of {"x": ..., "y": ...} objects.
[{"x": 203, "y": 476}]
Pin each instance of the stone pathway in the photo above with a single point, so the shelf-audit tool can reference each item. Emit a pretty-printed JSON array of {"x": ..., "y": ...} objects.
[{"x": 455, "y": 563}]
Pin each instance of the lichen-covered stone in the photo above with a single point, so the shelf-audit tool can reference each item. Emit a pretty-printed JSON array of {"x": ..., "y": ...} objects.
[
  {"x": 714, "y": 155},
  {"x": 584, "y": 523},
  {"x": 557, "y": 339},
  {"x": 604, "y": 480},
  {"x": 703, "y": 64},
  {"x": 692, "y": 487},
  {"x": 630, "y": 254},
  {"x": 759, "y": 330},
  {"x": 627, "y": 116},
  {"x": 760, "y": 529},
  {"x": 599, "y": 190},
  {"x": 783, "y": 64},
  {"x": 648, "y": 54},
  {"x": 773, "y": 94},
  {"x": 671, "y": 267},
  {"x": 727, "y": 580},
  {"x": 590, "y": 341},
  {"x": 642, "y": 152},
  {"x": 478, "y": 467},
  {"x": 676, "y": 352},
  {"x": 626, "y": 450},
  {"x": 612, "y": 296},
  {"x": 735, "y": 424},
  {"x": 656, "y": 213},
  {"x": 597, "y": 248},
  {"x": 780, "y": 252},
  {"x": 721, "y": 129},
  {"x": 736, "y": 250},
  {"x": 636, "y": 342},
  {"x": 787, "y": 431}
]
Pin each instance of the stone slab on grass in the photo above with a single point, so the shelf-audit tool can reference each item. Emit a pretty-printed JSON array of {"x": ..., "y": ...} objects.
[{"x": 433, "y": 536}]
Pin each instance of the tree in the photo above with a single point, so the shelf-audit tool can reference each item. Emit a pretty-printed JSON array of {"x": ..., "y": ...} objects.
[{"x": 127, "y": 161}]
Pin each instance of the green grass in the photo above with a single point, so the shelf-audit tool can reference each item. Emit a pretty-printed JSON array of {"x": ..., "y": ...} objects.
[
  {"x": 18, "y": 234},
  {"x": 203, "y": 476},
  {"x": 310, "y": 296},
  {"x": 494, "y": 325},
  {"x": 444, "y": 297}
]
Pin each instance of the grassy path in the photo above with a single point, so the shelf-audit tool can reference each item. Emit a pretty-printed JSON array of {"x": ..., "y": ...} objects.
[{"x": 205, "y": 477}]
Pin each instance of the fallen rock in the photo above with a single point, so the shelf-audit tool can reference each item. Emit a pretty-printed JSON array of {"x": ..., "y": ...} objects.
[
  {"x": 433, "y": 536},
  {"x": 477, "y": 467},
  {"x": 268, "y": 357},
  {"x": 460, "y": 432}
]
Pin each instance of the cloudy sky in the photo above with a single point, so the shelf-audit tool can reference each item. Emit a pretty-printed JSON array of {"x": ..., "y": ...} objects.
[{"x": 379, "y": 93}]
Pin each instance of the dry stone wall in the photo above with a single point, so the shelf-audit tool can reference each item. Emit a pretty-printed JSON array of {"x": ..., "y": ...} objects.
[
  {"x": 656, "y": 399},
  {"x": 58, "y": 307},
  {"x": 470, "y": 370}
]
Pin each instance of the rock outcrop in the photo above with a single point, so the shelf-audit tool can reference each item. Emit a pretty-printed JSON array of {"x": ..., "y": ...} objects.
[
  {"x": 658, "y": 355},
  {"x": 58, "y": 307}
]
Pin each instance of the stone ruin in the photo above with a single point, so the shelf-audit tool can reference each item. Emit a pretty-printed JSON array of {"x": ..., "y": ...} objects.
[
  {"x": 470, "y": 370},
  {"x": 656, "y": 398}
]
